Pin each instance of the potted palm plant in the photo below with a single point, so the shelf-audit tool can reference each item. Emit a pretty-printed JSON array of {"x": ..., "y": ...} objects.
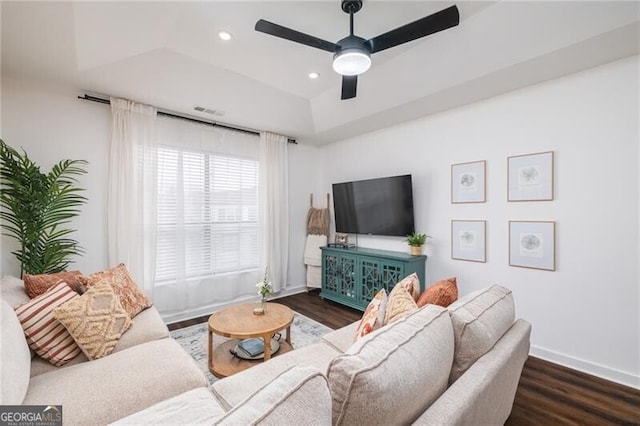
[
  {"x": 416, "y": 241},
  {"x": 36, "y": 209}
]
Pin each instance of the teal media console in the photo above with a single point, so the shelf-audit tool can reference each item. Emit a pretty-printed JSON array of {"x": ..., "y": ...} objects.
[{"x": 352, "y": 276}]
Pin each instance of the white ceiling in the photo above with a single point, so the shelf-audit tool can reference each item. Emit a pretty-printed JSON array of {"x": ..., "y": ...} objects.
[{"x": 168, "y": 54}]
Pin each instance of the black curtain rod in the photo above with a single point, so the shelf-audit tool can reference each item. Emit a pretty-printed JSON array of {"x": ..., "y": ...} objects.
[{"x": 182, "y": 117}]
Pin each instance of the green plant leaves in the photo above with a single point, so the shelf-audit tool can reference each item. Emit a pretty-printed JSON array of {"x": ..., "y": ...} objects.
[
  {"x": 36, "y": 206},
  {"x": 417, "y": 239}
]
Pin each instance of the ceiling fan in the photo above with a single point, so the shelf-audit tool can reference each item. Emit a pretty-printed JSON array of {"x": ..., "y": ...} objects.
[{"x": 352, "y": 54}]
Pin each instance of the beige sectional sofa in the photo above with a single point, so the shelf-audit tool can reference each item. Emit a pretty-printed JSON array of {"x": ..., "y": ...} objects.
[
  {"x": 437, "y": 366},
  {"x": 146, "y": 367}
]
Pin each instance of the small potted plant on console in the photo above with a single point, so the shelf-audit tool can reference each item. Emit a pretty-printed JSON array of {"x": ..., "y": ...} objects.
[{"x": 416, "y": 241}]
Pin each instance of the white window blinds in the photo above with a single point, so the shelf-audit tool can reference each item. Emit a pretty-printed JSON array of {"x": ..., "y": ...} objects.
[{"x": 207, "y": 212}]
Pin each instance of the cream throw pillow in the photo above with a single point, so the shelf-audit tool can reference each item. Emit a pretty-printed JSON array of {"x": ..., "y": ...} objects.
[
  {"x": 96, "y": 320},
  {"x": 399, "y": 305}
]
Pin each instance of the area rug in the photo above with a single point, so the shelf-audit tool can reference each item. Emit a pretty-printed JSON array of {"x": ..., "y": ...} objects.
[{"x": 304, "y": 331}]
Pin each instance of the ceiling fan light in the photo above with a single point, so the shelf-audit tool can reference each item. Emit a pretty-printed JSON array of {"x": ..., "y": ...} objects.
[{"x": 351, "y": 62}]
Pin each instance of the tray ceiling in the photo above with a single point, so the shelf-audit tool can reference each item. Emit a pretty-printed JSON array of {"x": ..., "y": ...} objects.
[{"x": 168, "y": 54}]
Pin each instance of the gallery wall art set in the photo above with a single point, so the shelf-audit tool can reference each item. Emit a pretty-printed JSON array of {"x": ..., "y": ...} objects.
[{"x": 529, "y": 179}]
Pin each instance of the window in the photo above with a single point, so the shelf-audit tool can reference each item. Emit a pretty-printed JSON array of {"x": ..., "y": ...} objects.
[{"x": 207, "y": 214}]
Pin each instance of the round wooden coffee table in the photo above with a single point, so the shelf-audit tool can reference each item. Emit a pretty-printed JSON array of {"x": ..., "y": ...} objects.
[{"x": 239, "y": 322}]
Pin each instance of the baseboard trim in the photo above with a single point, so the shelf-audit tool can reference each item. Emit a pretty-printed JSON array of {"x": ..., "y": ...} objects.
[
  {"x": 594, "y": 369},
  {"x": 208, "y": 309},
  {"x": 290, "y": 292}
]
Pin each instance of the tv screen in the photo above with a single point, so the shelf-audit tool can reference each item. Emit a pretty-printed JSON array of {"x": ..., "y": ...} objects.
[{"x": 375, "y": 206}]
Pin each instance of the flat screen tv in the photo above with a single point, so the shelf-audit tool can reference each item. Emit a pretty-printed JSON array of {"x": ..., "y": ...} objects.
[{"x": 381, "y": 206}]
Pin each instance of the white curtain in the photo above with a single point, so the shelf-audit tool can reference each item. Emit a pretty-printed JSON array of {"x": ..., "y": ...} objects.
[
  {"x": 196, "y": 212},
  {"x": 274, "y": 203},
  {"x": 132, "y": 191},
  {"x": 208, "y": 247}
]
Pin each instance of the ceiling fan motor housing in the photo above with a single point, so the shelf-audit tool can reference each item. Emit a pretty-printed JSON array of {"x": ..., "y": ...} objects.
[
  {"x": 351, "y": 6},
  {"x": 352, "y": 57}
]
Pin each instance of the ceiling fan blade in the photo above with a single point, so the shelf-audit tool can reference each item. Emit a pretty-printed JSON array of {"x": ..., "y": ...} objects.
[
  {"x": 446, "y": 18},
  {"x": 349, "y": 86},
  {"x": 295, "y": 36}
]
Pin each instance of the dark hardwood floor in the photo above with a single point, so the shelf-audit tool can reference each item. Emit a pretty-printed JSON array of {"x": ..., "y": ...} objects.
[
  {"x": 552, "y": 394},
  {"x": 331, "y": 314},
  {"x": 548, "y": 394}
]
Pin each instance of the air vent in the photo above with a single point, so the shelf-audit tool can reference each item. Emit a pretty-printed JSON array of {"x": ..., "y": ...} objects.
[{"x": 209, "y": 111}]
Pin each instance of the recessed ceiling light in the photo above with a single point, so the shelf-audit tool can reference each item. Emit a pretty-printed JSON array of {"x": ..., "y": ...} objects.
[
  {"x": 314, "y": 75},
  {"x": 224, "y": 35}
]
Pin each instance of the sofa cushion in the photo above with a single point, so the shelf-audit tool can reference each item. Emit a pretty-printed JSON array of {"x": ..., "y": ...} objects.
[
  {"x": 131, "y": 297},
  {"x": 130, "y": 380},
  {"x": 147, "y": 326},
  {"x": 95, "y": 320},
  {"x": 12, "y": 290},
  {"x": 234, "y": 389},
  {"x": 40, "y": 366},
  {"x": 399, "y": 305},
  {"x": 484, "y": 395},
  {"x": 404, "y": 365},
  {"x": 373, "y": 317},
  {"x": 479, "y": 320},
  {"x": 342, "y": 338},
  {"x": 443, "y": 293},
  {"x": 194, "y": 407},
  {"x": 15, "y": 358},
  {"x": 45, "y": 335},
  {"x": 35, "y": 285},
  {"x": 300, "y": 395}
]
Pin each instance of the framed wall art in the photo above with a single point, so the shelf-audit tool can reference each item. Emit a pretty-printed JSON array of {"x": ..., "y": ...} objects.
[
  {"x": 530, "y": 177},
  {"x": 468, "y": 240},
  {"x": 468, "y": 182},
  {"x": 532, "y": 244}
]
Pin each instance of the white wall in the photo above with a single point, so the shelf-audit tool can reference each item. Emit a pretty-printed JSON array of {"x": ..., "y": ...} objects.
[
  {"x": 585, "y": 314},
  {"x": 50, "y": 124},
  {"x": 304, "y": 172}
]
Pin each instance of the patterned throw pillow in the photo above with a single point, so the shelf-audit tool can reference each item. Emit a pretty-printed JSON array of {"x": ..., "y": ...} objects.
[
  {"x": 132, "y": 299},
  {"x": 412, "y": 284},
  {"x": 45, "y": 335},
  {"x": 400, "y": 304},
  {"x": 96, "y": 320},
  {"x": 443, "y": 293},
  {"x": 35, "y": 285},
  {"x": 373, "y": 316}
]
